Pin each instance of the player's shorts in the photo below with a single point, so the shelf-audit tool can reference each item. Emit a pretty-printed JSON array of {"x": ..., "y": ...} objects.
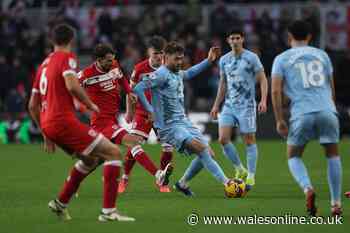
[
  {"x": 323, "y": 126},
  {"x": 141, "y": 126},
  {"x": 244, "y": 118},
  {"x": 179, "y": 133},
  {"x": 111, "y": 130},
  {"x": 73, "y": 136}
]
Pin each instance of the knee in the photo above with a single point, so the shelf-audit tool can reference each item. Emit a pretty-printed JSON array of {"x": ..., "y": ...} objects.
[
  {"x": 132, "y": 140},
  {"x": 249, "y": 139},
  {"x": 224, "y": 140},
  {"x": 114, "y": 153}
]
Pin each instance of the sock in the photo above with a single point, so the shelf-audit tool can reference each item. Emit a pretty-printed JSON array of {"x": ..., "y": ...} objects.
[
  {"x": 142, "y": 158},
  {"x": 252, "y": 156},
  {"x": 334, "y": 179},
  {"x": 72, "y": 183},
  {"x": 299, "y": 172},
  {"x": 129, "y": 163},
  {"x": 193, "y": 169},
  {"x": 231, "y": 153},
  {"x": 165, "y": 158},
  {"x": 212, "y": 166},
  {"x": 111, "y": 170}
]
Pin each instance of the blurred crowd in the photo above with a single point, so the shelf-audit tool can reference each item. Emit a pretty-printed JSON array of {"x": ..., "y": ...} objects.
[{"x": 24, "y": 42}]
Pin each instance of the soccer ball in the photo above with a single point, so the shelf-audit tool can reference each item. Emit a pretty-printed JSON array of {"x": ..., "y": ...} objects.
[{"x": 235, "y": 189}]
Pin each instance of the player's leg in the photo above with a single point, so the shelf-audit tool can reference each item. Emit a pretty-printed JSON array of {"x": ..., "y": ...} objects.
[
  {"x": 203, "y": 152},
  {"x": 328, "y": 128},
  {"x": 227, "y": 129},
  {"x": 129, "y": 163},
  {"x": 252, "y": 157},
  {"x": 111, "y": 171},
  {"x": 134, "y": 141},
  {"x": 300, "y": 132},
  {"x": 165, "y": 159}
]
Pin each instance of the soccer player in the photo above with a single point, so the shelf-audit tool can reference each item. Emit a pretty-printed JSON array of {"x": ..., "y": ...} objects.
[
  {"x": 51, "y": 106},
  {"x": 141, "y": 125},
  {"x": 305, "y": 75},
  {"x": 240, "y": 69},
  {"x": 103, "y": 81},
  {"x": 167, "y": 110}
]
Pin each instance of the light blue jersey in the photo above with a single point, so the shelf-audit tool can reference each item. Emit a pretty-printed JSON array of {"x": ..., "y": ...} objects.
[
  {"x": 306, "y": 72},
  {"x": 307, "y": 75},
  {"x": 239, "y": 72},
  {"x": 240, "y": 76},
  {"x": 168, "y": 104}
]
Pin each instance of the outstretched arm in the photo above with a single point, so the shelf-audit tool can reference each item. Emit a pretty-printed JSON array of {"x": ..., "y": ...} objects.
[{"x": 213, "y": 54}]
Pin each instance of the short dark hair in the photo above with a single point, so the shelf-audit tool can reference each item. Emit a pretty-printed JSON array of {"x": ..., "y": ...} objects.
[
  {"x": 62, "y": 34},
  {"x": 299, "y": 29},
  {"x": 173, "y": 47},
  {"x": 236, "y": 30},
  {"x": 102, "y": 49},
  {"x": 156, "y": 42}
]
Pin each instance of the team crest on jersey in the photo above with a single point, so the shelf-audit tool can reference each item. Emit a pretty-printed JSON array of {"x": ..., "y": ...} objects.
[
  {"x": 151, "y": 76},
  {"x": 92, "y": 133},
  {"x": 72, "y": 63}
]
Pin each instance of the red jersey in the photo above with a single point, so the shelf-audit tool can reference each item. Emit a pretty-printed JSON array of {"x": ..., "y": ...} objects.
[
  {"x": 103, "y": 89},
  {"x": 142, "y": 69},
  {"x": 56, "y": 101}
]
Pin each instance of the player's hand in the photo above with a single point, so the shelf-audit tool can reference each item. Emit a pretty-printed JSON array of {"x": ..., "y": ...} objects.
[
  {"x": 214, "y": 54},
  {"x": 282, "y": 128},
  {"x": 128, "y": 117},
  {"x": 49, "y": 146},
  {"x": 214, "y": 113},
  {"x": 262, "y": 107},
  {"x": 93, "y": 107},
  {"x": 133, "y": 98}
]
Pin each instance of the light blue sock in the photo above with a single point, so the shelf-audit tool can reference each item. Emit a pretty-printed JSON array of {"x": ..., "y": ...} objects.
[
  {"x": 334, "y": 179},
  {"x": 231, "y": 153},
  {"x": 252, "y": 158},
  {"x": 212, "y": 166},
  {"x": 193, "y": 169},
  {"x": 299, "y": 172}
]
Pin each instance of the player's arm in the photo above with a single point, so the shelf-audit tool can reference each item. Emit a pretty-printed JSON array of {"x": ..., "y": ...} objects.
[
  {"x": 139, "y": 90},
  {"x": 276, "y": 96},
  {"x": 261, "y": 78},
  {"x": 333, "y": 88},
  {"x": 213, "y": 55},
  {"x": 220, "y": 96},
  {"x": 73, "y": 86},
  {"x": 130, "y": 104}
]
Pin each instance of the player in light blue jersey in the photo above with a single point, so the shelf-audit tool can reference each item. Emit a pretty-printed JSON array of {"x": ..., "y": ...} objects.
[
  {"x": 169, "y": 116},
  {"x": 240, "y": 70},
  {"x": 305, "y": 75}
]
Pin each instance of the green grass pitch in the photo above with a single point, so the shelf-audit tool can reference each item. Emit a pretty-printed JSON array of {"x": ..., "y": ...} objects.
[{"x": 30, "y": 178}]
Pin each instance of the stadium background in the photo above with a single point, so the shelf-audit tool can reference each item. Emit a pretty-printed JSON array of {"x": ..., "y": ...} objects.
[{"x": 24, "y": 26}]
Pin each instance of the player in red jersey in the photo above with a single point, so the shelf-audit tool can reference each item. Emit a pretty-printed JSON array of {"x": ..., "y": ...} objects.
[
  {"x": 141, "y": 125},
  {"x": 103, "y": 81},
  {"x": 51, "y": 106}
]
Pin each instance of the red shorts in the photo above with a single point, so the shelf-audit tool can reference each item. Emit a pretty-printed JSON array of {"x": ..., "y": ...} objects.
[
  {"x": 111, "y": 130},
  {"x": 141, "y": 126},
  {"x": 73, "y": 136}
]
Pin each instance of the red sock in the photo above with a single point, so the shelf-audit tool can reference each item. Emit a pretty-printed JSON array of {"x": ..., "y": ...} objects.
[
  {"x": 76, "y": 176},
  {"x": 165, "y": 159},
  {"x": 142, "y": 158},
  {"x": 111, "y": 170},
  {"x": 129, "y": 162}
]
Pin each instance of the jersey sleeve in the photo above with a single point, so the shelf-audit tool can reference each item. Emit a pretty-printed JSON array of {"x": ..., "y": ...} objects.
[
  {"x": 277, "y": 68},
  {"x": 135, "y": 75},
  {"x": 36, "y": 83},
  {"x": 124, "y": 83},
  {"x": 70, "y": 66},
  {"x": 257, "y": 64},
  {"x": 329, "y": 66},
  {"x": 154, "y": 80}
]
